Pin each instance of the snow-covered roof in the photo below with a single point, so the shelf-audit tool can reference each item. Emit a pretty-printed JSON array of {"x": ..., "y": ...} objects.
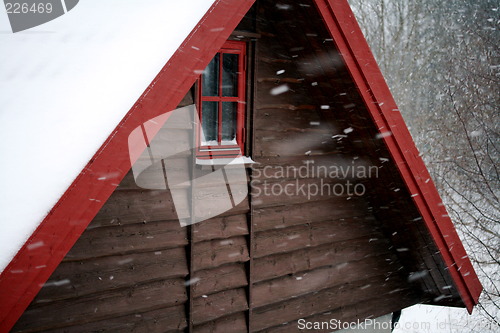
[{"x": 64, "y": 87}]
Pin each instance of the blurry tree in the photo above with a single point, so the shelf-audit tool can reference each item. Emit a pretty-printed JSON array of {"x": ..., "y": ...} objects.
[{"x": 441, "y": 60}]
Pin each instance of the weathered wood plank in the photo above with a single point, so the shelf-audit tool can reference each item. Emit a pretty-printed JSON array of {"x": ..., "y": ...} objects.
[
  {"x": 283, "y": 120},
  {"x": 279, "y": 80},
  {"x": 273, "y": 60},
  {"x": 220, "y": 227},
  {"x": 204, "y": 177},
  {"x": 235, "y": 323},
  {"x": 136, "y": 206},
  {"x": 78, "y": 278},
  {"x": 329, "y": 254},
  {"x": 293, "y": 143},
  {"x": 171, "y": 319},
  {"x": 273, "y": 193},
  {"x": 300, "y": 160},
  {"x": 285, "y": 106},
  {"x": 218, "y": 279},
  {"x": 280, "y": 289},
  {"x": 128, "y": 239},
  {"x": 269, "y": 66},
  {"x": 218, "y": 305},
  {"x": 298, "y": 237},
  {"x": 295, "y": 95},
  {"x": 207, "y": 198},
  {"x": 210, "y": 254},
  {"x": 315, "y": 211},
  {"x": 83, "y": 310},
  {"x": 363, "y": 309},
  {"x": 327, "y": 300}
]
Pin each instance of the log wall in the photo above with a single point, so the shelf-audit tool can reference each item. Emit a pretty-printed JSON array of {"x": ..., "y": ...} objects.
[{"x": 315, "y": 254}]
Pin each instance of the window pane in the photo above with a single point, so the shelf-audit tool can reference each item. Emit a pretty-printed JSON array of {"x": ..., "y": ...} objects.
[
  {"x": 210, "y": 122},
  {"x": 210, "y": 78},
  {"x": 229, "y": 112},
  {"x": 230, "y": 75}
]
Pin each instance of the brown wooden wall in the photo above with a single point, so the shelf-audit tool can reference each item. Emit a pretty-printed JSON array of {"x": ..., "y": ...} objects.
[
  {"x": 324, "y": 256},
  {"x": 304, "y": 42},
  {"x": 273, "y": 259},
  {"x": 136, "y": 269}
]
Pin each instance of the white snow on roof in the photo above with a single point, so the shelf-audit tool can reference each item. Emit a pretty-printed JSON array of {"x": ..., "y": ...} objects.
[{"x": 64, "y": 86}]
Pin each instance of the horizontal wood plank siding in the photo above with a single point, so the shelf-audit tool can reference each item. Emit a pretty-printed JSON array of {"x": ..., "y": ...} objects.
[
  {"x": 219, "y": 252},
  {"x": 166, "y": 320},
  {"x": 315, "y": 250},
  {"x": 220, "y": 228},
  {"x": 329, "y": 254},
  {"x": 111, "y": 304},
  {"x": 328, "y": 300},
  {"x": 315, "y": 280},
  {"x": 308, "y": 235},
  {"x": 218, "y": 279},
  {"x": 142, "y": 237},
  {"x": 236, "y": 323},
  {"x": 364, "y": 308},
  {"x": 78, "y": 278},
  {"x": 211, "y": 307}
]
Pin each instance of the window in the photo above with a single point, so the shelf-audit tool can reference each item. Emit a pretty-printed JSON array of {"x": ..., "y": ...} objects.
[{"x": 221, "y": 96}]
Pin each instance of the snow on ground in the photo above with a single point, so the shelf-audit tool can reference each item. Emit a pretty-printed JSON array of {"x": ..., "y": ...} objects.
[
  {"x": 64, "y": 86},
  {"x": 440, "y": 319}
]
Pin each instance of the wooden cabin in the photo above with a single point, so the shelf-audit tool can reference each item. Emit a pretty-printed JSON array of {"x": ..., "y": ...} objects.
[{"x": 336, "y": 216}]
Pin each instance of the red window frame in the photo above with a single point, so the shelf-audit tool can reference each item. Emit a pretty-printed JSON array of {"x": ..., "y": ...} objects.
[{"x": 225, "y": 151}]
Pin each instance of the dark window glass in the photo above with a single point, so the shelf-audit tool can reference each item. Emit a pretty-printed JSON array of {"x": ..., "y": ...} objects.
[
  {"x": 210, "y": 122},
  {"x": 229, "y": 113},
  {"x": 210, "y": 78},
  {"x": 230, "y": 75}
]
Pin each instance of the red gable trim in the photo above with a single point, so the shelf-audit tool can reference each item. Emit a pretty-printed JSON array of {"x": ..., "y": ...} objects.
[
  {"x": 29, "y": 270},
  {"x": 379, "y": 101},
  {"x": 24, "y": 276}
]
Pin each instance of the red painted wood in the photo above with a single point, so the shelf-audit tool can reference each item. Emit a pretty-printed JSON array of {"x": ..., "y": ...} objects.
[
  {"x": 27, "y": 272},
  {"x": 378, "y": 99},
  {"x": 209, "y": 152}
]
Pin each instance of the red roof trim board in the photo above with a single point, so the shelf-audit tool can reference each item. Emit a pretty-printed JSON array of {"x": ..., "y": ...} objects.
[
  {"x": 378, "y": 99},
  {"x": 42, "y": 253}
]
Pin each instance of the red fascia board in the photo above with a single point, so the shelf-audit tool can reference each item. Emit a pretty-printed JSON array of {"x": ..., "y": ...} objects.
[
  {"x": 378, "y": 99},
  {"x": 44, "y": 250}
]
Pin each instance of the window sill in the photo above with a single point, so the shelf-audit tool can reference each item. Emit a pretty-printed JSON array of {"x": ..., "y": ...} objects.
[{"x": 226, "y": 161}]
